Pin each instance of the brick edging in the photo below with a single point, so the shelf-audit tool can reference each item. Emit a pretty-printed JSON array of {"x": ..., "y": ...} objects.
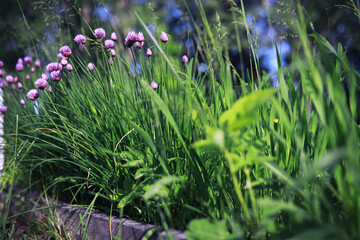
[{"x": 81, "y": 223}]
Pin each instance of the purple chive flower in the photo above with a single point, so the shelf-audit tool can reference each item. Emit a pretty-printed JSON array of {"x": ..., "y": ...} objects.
[
  {"x": 91, "y": 66},
  {"x": 140, "y": 37},
  {"x": 99, "y": 34},
  {"x": 32, "y": 69},
  {"x": 148, "y": 52},
  {"x": 184, "y": 59},
  {"x": 20, "y": 86},
  {"x": 109, "y": 43},
  {"x": 112, "y": 52},
  {"x": 54, "y": 66},
  {"x": 55, "y": 76},
  {"x": 3, "y": 110},
  {"x": 163, "y": 37},
  {"x": 9, "y": 78},
  {"x": 130, "y": 39},
  {"x": 37, "y": 63},
  {"x": 20, "y": 61},
  {"x": 50, "y": 89},
  {"x": 63, "y": 62},
  {"x": 113, "y": 36},
  {"x": 69, "y": 67},
  {"x": 16, "y": 79},
  {"x": 2, "y": 84},
  {"x": 139, "y": 44},
  {"x": 13, "y": 86},
  {"x": 1, "y": 73},
  {"x": 60, "y": 56},
  {"x": 22, "y": 101},
  {"x": 27, "y": 77},
  {"x": 1, "y": 64},
  {"x": 44, "y": 76},
  {"x": 41, "y": 83},
  {"x": 27, "y": 59},
  {"x": 80, "y": 39},
  {"x": 111, "y": 62},
  {"x": 32, "y": 94},
  {"x": 154, "y": 85},
  {"x": 19, "y": 67},
  {"x": 65, "y": 51}
]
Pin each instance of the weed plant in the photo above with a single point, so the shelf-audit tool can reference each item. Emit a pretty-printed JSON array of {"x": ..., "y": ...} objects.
[{"x": 203, "y": 151}]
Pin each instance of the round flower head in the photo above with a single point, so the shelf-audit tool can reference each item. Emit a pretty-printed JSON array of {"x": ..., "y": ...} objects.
[
  {"x": 91, "y": 66},
  {"x": 20, "y": 61},
  {"x": 1, "y": 64},
  {"x": 113, "y": 36},
  {"x": 37, "y": 63},
  {"x": 65, "y": 51},
  {"x": 184, "y": 59},
  {"x": 1, "y": 73},
  {"x": 16, "y": 79},
  {"x": 109, "y": 43},
  {"x": 19, "y": 67},
  {"x": 140, "y": 37},
  {"x": 154, "y": 85},
  {"x": 22, "y": 101},
  {"x": 99, "y": 34},
  {"x": 63, "y": 62},
  {"x": 139, "y": 44},
  {"x": 112, "y": 52},
  {"x": 60, "y": 56},
  {"x": 27, "y": 76},
  {"x": 69, "y": 67},
  {"x": 32, "y": 94},
  {"x": 55, "y": 76},
  {"x": 148, "y": 52},
  {"x": 41, "y": 84},
  {"x": 9, "y": 78},
  {"x": 32, "y": 69},
  {"x": 13, "y": 86},
  {"x": 81, "y": 46},
  {"x": 3, "y": 109},
  {"x": 20, "y": 86},
  {"x": 130, "y": 39},
  {"x": 54, "y": 66},
  {"x": 2, "y": 84},
  {"x": 79, "y": 39},
  {"x": 50, "y": 89},
  {"x": 27, "y": 59},
  {"x": 44, "y": 76},
  {"x": 163, "y": 37}
]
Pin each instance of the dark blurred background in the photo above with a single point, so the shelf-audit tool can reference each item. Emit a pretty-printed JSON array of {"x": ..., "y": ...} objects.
[{"x": 38, "y": 28}]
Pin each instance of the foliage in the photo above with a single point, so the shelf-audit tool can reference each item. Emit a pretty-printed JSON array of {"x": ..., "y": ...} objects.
[{"x": 206, "y": 151}]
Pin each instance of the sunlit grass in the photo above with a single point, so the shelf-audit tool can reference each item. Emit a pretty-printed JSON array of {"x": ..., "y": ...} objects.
[{"x": 198, "y": 153}]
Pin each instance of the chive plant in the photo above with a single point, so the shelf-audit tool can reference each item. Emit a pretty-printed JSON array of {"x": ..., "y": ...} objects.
[{"x": 150, "y": 137}]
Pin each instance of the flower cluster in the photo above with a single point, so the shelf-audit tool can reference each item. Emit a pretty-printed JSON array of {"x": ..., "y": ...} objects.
[
  {"x": 3, "y": 110},
  {"x": 133, "y": 38},
  {"x": 32, "y": 94},
  {"x": 80, "y": 39},
  {"x": 54, "y": 69},
  {"x": 99, "y": 34}
]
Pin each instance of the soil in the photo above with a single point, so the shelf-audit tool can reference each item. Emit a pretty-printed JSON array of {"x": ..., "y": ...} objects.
[{"x": 33, "y": 225}]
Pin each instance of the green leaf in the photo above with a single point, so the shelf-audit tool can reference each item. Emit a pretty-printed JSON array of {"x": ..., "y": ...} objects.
[
  {"x": 203, "y": 229},
  {"x": 243, "y": 111},
  {"x": 159, "y": 187}
]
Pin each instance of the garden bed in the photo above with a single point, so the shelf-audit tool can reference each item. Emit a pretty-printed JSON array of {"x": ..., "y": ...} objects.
[{"x": 73, "y": 221}]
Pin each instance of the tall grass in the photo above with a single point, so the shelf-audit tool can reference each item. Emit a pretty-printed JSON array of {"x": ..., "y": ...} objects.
[{"x": 199, "y": 153}]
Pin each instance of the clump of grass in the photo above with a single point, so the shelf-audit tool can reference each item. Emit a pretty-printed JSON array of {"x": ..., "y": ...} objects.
[{"x": 194, "y": 151}]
